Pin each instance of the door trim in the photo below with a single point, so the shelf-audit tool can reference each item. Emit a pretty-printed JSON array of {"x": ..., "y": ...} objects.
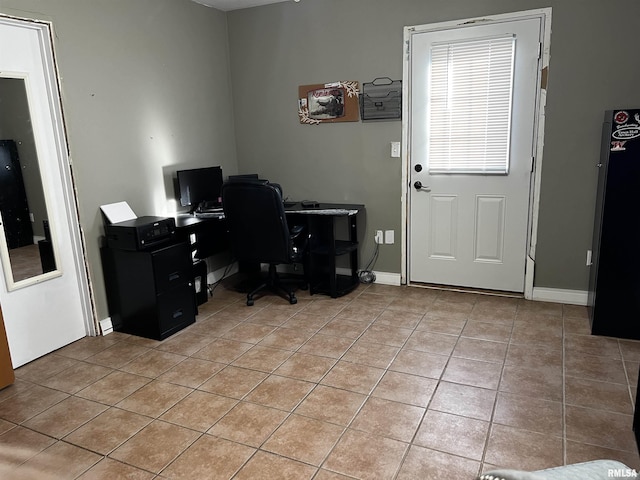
[{"x": 534, "y": 202}]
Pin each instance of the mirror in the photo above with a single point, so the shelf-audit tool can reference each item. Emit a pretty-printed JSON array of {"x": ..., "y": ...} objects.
[{"x": 25, "y": 241}]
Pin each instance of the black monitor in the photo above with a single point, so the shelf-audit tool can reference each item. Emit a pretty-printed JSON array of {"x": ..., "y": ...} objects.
[{"x": 200, "y": 186}]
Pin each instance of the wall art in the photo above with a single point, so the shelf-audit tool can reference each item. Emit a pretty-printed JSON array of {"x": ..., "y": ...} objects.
[{"x": 329, "y": 102}]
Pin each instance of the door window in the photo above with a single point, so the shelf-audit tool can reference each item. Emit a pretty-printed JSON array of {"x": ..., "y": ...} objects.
[{"x": 470, "y": 97}]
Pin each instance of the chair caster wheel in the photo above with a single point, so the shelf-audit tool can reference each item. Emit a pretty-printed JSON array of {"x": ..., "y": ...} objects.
[
  {"x": 249, "y": 302},
  {"x": 293, "y": 300}
]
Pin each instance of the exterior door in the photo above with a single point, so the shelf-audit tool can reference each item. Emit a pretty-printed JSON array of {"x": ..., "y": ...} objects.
[
  {"x": 468, "y": 223},
  {"x": 53, "y": 309}
]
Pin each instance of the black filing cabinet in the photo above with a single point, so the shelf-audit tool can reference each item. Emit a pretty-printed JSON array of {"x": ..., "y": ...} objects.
[{"x": 150, "y": 292}]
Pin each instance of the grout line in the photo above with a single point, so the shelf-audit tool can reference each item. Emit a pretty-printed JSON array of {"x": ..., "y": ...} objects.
[
  {"x": 368, "y": 324},
  {"x": 495, "y": 402}
]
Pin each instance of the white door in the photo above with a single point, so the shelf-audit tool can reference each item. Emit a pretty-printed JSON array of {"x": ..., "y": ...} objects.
[
  {"x": 468, "y": 221},
  {"x": 44, "y": 311}
]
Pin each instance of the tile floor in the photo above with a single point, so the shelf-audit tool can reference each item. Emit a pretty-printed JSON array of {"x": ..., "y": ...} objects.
[{"x": 388, "y": 382}]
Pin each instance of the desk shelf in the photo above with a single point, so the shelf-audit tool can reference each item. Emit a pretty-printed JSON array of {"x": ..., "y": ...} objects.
[
  {"x": 206, "y": 237},
  {"x": 342, "y": 247},
  {"x": 325, "y": 249}
]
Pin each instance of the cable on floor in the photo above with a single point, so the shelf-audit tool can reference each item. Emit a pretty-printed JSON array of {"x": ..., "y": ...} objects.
[
  {"x": 212, "y": 286},
  {"x": 367, "y": 275}
]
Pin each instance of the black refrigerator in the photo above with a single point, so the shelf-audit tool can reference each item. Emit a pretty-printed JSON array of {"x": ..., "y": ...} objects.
[{"x": 614, "y": 284}]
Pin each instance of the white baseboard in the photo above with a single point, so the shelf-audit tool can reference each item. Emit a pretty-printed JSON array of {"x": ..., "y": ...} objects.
[
  {"x": 540, "y": 294},
  {"x": 106, "y": 326},
  {"x": 560, "y": 295},
  {"x": 386, "y": 278},
  {"x": 383, "y": 278}
]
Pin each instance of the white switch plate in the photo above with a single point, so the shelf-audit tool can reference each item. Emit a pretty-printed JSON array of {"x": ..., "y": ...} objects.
[
  {"x": 395, "y": 149},
  {"x": 389, "y": 237}
]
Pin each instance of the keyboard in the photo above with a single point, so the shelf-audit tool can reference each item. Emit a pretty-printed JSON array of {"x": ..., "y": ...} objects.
[{"x": 210, "y": 214}]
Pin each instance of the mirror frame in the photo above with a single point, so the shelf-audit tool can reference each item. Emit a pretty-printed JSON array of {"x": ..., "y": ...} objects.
[{"x": 12, "y": 285}]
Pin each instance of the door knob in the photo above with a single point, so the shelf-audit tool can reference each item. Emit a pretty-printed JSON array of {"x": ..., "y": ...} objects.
[{"x": 418, "y": 186}]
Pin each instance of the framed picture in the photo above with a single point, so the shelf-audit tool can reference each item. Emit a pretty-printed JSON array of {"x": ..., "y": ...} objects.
[{"x": 329, "y": 102}]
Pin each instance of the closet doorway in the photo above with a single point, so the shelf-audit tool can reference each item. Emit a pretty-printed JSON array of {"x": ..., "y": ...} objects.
[{"x": 51, "y": 307}]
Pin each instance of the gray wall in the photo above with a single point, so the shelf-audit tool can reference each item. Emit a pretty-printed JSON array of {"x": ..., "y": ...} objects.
[
  {"x": 146, "y": 91},
  {"x": 275, "y": 49},
  {"x": 148, "y": 84}
]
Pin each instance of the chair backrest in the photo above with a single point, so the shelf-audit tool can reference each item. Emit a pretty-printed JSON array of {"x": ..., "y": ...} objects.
[{"x": 256, "y": 221}]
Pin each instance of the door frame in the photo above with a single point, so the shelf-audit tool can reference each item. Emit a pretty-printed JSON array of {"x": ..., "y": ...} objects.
[
  {"x": 534, "y": 195},
  {"x": 68, "y": 197}
]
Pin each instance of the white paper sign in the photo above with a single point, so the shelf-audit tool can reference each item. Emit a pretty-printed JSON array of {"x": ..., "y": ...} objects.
[{"x": 118, "y": 212}]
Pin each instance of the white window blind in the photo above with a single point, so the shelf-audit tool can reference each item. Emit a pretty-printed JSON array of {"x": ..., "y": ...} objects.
[{"x": 470, "y": 106}]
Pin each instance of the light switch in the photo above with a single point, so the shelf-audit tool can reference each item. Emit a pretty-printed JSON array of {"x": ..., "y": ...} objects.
[
  {"x": 389, "y": 237},
  {"x": 395, "y": 149}
]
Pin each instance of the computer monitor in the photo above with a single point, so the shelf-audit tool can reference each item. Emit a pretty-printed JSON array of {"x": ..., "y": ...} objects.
[{"x": 198, "y": 185}]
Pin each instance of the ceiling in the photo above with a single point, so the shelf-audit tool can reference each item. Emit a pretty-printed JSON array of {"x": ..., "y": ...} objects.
[{"x": 227, "y": 5}]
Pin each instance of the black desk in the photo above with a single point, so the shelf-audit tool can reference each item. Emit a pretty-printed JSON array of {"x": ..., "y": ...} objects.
[
  {"x": 210, "y": 234},
  {"x": 325, "y": 243},
  {"x": 206, "y": 237}
]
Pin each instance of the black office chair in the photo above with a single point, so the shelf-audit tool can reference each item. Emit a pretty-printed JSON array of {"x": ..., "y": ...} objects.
[{"x": 259, "y": 231}]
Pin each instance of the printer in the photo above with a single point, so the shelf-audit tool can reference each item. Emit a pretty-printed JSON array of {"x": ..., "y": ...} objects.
[{"x": 140, "y": 233}]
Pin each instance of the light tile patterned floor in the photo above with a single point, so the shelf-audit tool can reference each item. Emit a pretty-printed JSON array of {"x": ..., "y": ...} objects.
[{"x": 388, "y": 382}]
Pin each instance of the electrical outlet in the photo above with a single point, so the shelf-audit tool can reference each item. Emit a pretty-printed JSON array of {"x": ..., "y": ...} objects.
[
  {"x": 379, "y": 238},
  {"x": 389, "y": 237}
]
